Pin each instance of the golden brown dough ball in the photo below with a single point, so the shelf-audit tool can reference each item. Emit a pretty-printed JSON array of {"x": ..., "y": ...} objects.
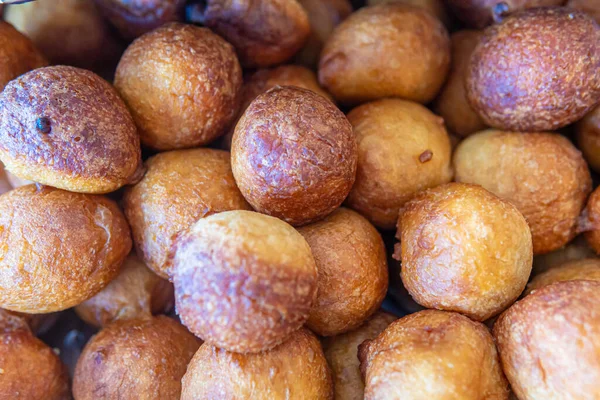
[
  {"x": 590, "y": 7},
  {"x": 436, "y": 7},
  {"x": 403, "y": 148},
  {"x": 67, "y": 127},
  {"x": 588, "y": 138},
  {"x": 542, "y": 174},
  {"x": 353, "y": 276},
  {"x": 294, "y": 155},
  {"x": 179, "y": 188},
  {"x": 590, "y": 221},
  {"x": 135, "y": 293},
  {"x": 549, "y": 342},
  {"x": 410, "y": 60},
  {"x": 182, "y": 85},
  {"x": 57, "y": 248},
  {"x": 433, "y": 355},
  {"x": 341, "y": 353},
  {"x": 538, "y": 70},
  {"x": 17, "y": 54},
  {"x": 577, "y": 249},
  {"x": 585, "y": 269},
  {"x": 464, "y": 249},
  {"x": 244, "y": 281},
  {"x": 140, "y": 358},
  {"x": 296, "y": 369}
]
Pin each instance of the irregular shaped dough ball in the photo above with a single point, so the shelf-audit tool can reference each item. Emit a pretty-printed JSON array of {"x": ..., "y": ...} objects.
[
  {"x": 588, "y": 138},
  {"x": 584, "y": 269},
  {"x": 18, "y": 54}
]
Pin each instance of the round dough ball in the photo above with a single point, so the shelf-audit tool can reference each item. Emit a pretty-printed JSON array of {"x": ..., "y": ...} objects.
[
  {"x": 585, "y": 269},
  {"x": 538, "y": 70},
  {"x": 464, "y": 249},
  {"x": 293, "y": 370},
  {"x": 411, "y": 58},
  {"x": 135, "y": 293},
  {"x": 182, "y": 85},
  {"x": 294, "y": 155},
  {"x": 403, "y": 148},
  {"x": 244, "y": 281},
  {"x": 590, "y": 221},
  {"x": 139, "y": 358},
  {"x": 17, "y": 54},
  {"x": 588, "y": 138},
  {"x": 542, "y": 174},
  {"x": 433, "y": 355},
  {"x": 577, "y": 249},
  {"x": 67, "y": 127},
  {"x": 353, "y": 276},
  {"x": 592, "y": 8},
  {"x": 549, "y": 342},
  {"x": 57, "y": 248},
  {"x": 179, "y": 188}
]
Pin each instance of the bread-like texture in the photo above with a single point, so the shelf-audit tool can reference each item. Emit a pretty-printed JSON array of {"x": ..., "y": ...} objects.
[
  {"x": 18, "y": 54},
  {"x": 403, "y": 148},
  {"x": 549, "y": 342},
  {"x": 585, "y": 269},
  {"x": 464, "y": 249},
  {"x": 294, "y": 155},
  {"x": 437, "y": 8},
  {"x": 57, "y": 248},
  {"x": 296, "y": 369},
  {"x": 244, "y": 281},
  {"x": 179, "y": 188},
  {"x": 341, "y": 352},
  {"x": 542, "y": 174},
  {"x": 433, "y": 355},
  {"x": 592, "y": 8},
  {"x": 387, "y": 50},
  {"x": 139, "y": 358},
  {"x": 590, "y": 221},
  {"x": 538, "y": 70},
  {"x": 588, "y": 138},
  {"x": 353, "y": 275},
  {"x": 182, "y": 85}
]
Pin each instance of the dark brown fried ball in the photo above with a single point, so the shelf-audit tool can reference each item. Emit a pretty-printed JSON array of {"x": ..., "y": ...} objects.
[
  {"x": 294, "y": 155},
  {"x": 588, "y": 138},
  {"x": 67, "y": 127},
  {"x": 549, "y": 342},
  {"x": 464, "y": 249},
  {"x": 341, "y": 353},
  {"x": 537, "y": 70},
  {"x": 17, "y": 54},
  {"x": 296, "y": 369},
  {"x": 244, "y": 281},
  {"x": 590, "y": 7},
  {"x": 433, "y": 355},
  {"x": 577, "y": 249},
  {"x": 586, "y": 269},
  {"x": 139, "y": 358},
  {"x": 437, "y": 8},
  {"x": 182, "y": 85},
  {"x": 179, "y": 188},
  {"x": 353, "y": 276},
  {"x": 57, "y": 248},
  {"x": 403, "y": 148},
  {"x": 388, "y": 50},
  {"x": 542, "y": 174},
  {"x": 590, "y": 221}
]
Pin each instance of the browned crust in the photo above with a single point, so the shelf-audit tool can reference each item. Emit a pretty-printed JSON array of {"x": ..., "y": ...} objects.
[
  {"x": 588, "y": 138},
  {"x": 437, "y": 8},
  {"x": 591, "y": 8},
  {"x": 17, "y": 54},
  {"x": 591, "y": 218},
  {"x": 584, "y": 269}
]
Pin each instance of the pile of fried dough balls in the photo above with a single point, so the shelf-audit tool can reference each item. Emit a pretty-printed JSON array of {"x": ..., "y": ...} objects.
[{"x": 211, "y": 189}]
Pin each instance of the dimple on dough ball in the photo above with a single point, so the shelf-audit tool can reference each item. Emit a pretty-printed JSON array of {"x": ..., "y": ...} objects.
[
  {"x": 436, "y": 7},
  {"x": 179, "y": 188},
  {"x": 585, "y": 269},
  {"x": 353, "y": 276},
  {"x": 388, "y": 50},
  {"x": 464, "y": 249},
  {"x": 577, "y": 249},
  {"x": 537, "y": 70},
  {"x": 182, "y": 85},
  {"x": 591, "y": 221},
  {"x": 57, "y": 248},
  {"x": 549, "y": 342},
  {"x": 542, "y": 174},
  {"x": 403, "y": 148},
  {"x": 433, "y": 355},
  {"x": 592, "y": 8},
  {"x": 140, "y": 358},
  {"x": 67, "y": 127},
  {"x": 294, "y": 155},
  {"x": 17, "y": 54},
  {"x": 588, "y": 138},
  {"x": 296, "y": 369}
]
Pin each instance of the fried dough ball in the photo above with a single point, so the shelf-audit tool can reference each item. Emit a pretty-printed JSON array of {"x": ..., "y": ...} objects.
[
  {"x": 403, "y": 148},
  {"x": 140, "y": 358},
  {"x": 182, "y": 85},
  {"x": 17, "y": 54},
  {"x": 179, "y": 188},
  {"x": 577, "y": 249},
  {"x": 432, "y": 355},
  {"x": 353, "y": 276},
  {"x": 464, "y": 249},
  {"x": 537, "y": 70},
  {"x": 592, "y": 8},
  {"x": 588, "y": 138},
  {"x": 57, "y": 248},
  {"x": 591, "y": 221},
  {"x": 294, "y": 155},
  {"x": 244, "y": 281},
  {"x": 585, "y": 269},
  {"x": 354, "y": 70},
  {"x": 67, "y": 127},
  {"x": 542, "y": 174},
  {"x": 296, "y": 369},
  {"x": 549, "y": 342}
]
